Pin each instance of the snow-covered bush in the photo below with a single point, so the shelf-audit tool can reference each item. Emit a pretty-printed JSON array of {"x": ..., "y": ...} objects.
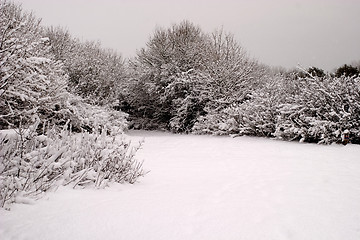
[
  {"x": 253, "y": 113},
  {"x": 32, "y": 164},
  {"x": 215, "y": 122},
  {"x": 252, "y": 117},
  {"x": 310, "y": 109},
  {"x": 83, "y": 116},
  {"x": 321, "y": 110}
]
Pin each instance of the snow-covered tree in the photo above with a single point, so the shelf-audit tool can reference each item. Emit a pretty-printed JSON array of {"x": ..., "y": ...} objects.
[
  {"x": 233, "y": 73},
  {"x": 163, "y": 69},
  {"x": 347, "y": 70},
  {"x": 186, "y": 70},
  {"x": 188, "y": 96},
  {"x": 314, "y": 71},
  {"x": 234, "y": 77},
  {"x": 33, "y": 84},
  {"x": 95, "y": 74}
]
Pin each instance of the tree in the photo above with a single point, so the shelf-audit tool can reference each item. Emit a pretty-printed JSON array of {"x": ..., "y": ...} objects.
[
  {"x": 164, "y": 68},
  {"x": 187, "y": 71},
  {"x": 347, "y": 71},
  {"x": 233, "y": 78},
  {"x": 95, "y": 74},
  {"x": 314, "y": 71},
  {"x": 233, "y": 73},
  {"x": 33, "y": 84}
]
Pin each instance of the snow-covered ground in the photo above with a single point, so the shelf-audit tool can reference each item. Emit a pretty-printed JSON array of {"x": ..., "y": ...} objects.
[{"x": 203, "y": 187}]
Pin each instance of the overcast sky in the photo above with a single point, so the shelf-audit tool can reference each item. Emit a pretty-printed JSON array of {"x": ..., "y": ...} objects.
[{"x": 321, "y": 33}]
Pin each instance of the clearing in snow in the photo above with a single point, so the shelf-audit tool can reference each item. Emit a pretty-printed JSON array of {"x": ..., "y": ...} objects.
[{"x": 204, "y": 187}]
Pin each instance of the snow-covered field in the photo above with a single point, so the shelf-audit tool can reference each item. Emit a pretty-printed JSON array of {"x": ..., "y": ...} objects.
[{"x": 203, "y": 187}]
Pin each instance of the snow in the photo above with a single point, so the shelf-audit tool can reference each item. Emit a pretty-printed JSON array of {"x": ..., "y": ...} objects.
[
  {"x": 204, "y": 187},
  {"x": 8, "y": 134},
  {"x": 38, "y": 60}
]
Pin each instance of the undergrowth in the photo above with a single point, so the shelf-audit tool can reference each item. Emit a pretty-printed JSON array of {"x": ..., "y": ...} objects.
[{"x": 32, "y": 164}]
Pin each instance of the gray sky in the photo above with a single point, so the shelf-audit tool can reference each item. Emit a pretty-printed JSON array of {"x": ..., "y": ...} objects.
[{"x": 321, "y": 33}]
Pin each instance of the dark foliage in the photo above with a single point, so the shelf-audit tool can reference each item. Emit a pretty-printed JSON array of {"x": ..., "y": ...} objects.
[{"x": 347, "y": 71}]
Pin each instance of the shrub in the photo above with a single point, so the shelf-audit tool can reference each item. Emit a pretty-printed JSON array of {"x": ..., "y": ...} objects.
[
  {"x": 32, "y": 164},
  {"x": 321, "y": 111}
]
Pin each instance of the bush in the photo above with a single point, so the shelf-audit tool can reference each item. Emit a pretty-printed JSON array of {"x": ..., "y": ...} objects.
[
  {"x": 253, "y": 114},
  {"x": 83, "y": 116},
  {"x": 32, "y": 164},
  {"x": 321, "y": 111},
  {"x": 310, "y": 109}
]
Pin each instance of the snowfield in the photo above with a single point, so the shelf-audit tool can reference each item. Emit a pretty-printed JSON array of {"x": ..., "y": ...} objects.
[{"x": 204, "y": 187}]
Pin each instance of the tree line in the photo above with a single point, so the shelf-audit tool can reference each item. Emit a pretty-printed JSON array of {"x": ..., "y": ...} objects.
[{"x": 184, "y": 80}]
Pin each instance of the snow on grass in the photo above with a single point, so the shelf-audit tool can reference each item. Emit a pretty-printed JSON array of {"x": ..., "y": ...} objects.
[{"x": 203, "y": 187}]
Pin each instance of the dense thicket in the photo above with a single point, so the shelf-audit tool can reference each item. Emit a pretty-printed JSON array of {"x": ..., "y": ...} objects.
[
  {"x": 320, "y": 110},
  {"x": 186, "y": 80},
  {"x": 289, "y": 107},
  {"x": 183, "y": 80}
]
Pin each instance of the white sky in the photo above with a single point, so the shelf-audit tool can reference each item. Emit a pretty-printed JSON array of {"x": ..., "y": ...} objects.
[{"x": 321, "y": 33}]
